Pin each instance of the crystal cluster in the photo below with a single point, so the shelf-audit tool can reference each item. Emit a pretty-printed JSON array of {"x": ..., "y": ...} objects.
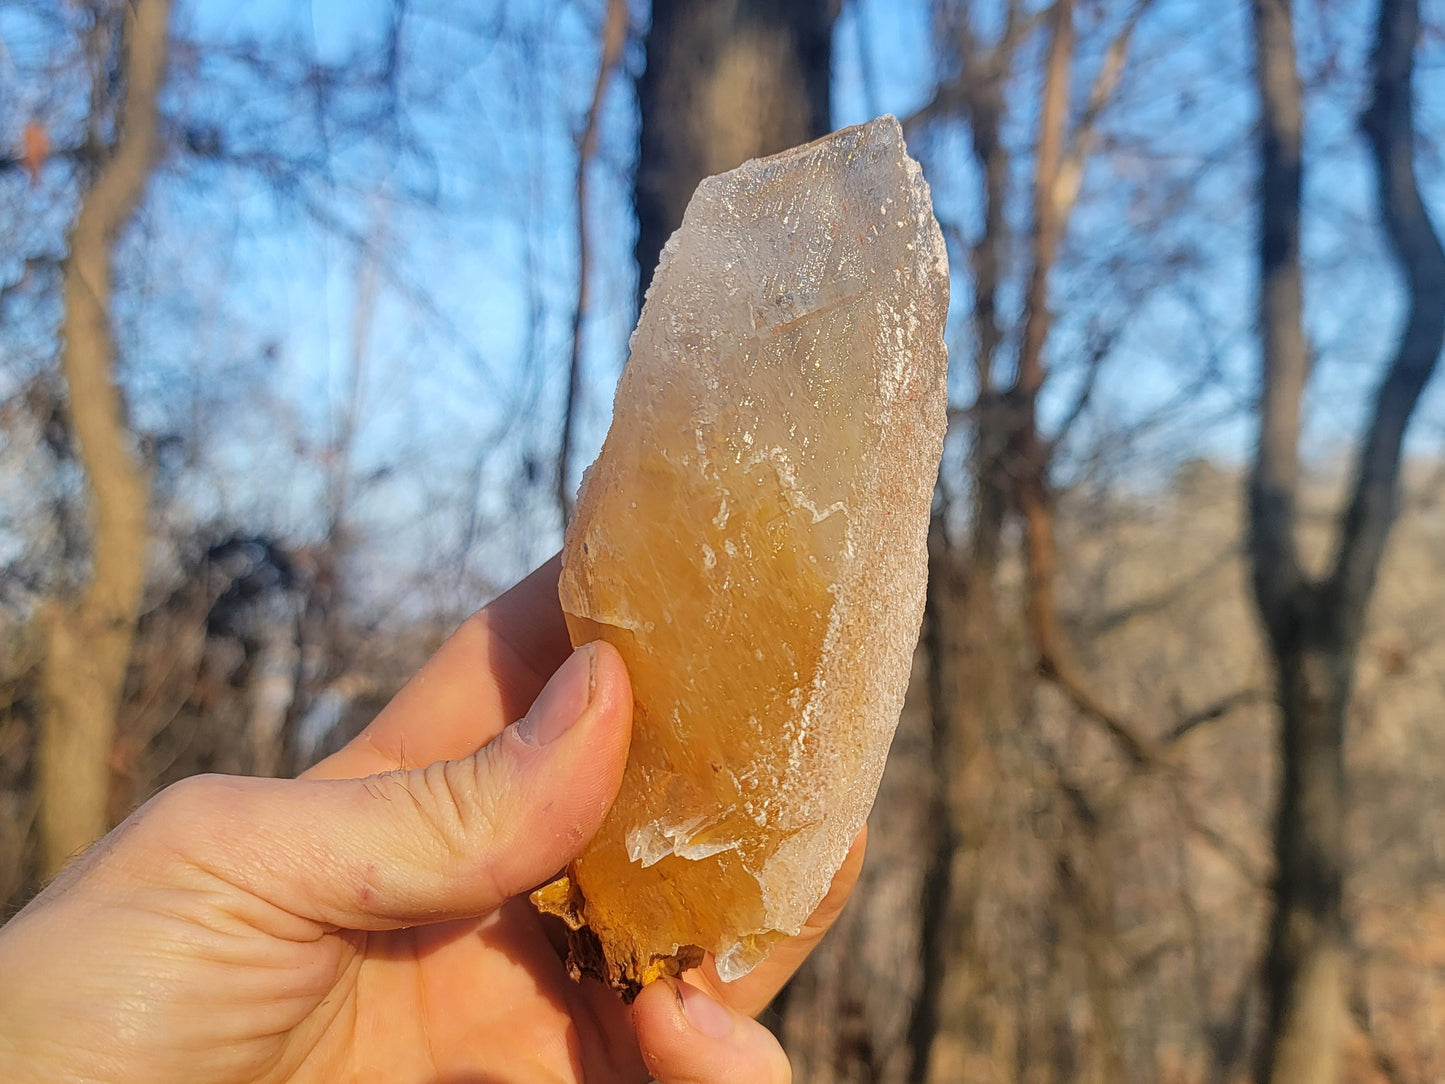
[{"x": 752, "y": 540}]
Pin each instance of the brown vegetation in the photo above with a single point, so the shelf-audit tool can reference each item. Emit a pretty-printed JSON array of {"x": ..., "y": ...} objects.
[{"x": 1121, "y": 915}]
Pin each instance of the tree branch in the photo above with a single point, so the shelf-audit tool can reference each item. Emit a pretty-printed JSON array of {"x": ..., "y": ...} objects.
[
  {"x": 1100, "y": 347},
  {"x": 1222, "y": 845},
  {"x": 1151, "y": 605},
  {"x": 1106, "y": 81},
  {"x": 1389, "y": 124},
  {"x": 1048, "y": 222},
  {"x": 614, "y": 37},
  {"x": 1216, "y": 710},
  {"x": 1058, "y": 665},
  {"x": 978, "y": 66},
  {"x": 1273, "y": 488}
]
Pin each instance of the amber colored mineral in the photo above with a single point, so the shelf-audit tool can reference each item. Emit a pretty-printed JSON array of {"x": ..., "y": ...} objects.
[{"x": 752, "y": 540}]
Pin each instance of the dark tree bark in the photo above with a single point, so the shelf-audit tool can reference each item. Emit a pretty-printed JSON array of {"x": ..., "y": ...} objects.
[
  {"x": 88, "y": 641},
  {"x": 726, "y": 80},
  {"x": 1314, "y": 626},
  {"x": 974, "y": 685}
]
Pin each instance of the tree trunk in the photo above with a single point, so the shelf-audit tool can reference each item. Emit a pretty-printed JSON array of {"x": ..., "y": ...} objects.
[
  {"x": 89, "y": 641},
  {"x": 975, "y": 680},
  {"x": 1315, "y": 627},
  {"x": 978, "y": 664},
  {"x": 726, "y": 80},
  {"x": 1305, "y": 957},
  {"x": 1305, "y": 966},
  {"x": 975, "y": 686}
]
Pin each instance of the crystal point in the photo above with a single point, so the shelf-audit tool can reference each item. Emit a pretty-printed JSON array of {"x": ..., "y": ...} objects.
[{"x": 752, "y": 540}]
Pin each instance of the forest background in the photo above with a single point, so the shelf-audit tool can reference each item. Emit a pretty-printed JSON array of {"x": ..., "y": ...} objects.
[{"x": 309, "y": 320}]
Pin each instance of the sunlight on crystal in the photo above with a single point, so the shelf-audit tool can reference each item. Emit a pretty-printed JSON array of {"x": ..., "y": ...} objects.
[{"x": 752, "y": 540}]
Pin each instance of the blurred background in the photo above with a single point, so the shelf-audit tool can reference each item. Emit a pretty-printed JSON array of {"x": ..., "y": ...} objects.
[{"x": 310, "y": 315}]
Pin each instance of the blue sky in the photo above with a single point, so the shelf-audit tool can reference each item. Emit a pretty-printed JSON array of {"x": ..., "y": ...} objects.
[
  {"x": 513, "y": 206},
  {"x": 466, "y": 320}
]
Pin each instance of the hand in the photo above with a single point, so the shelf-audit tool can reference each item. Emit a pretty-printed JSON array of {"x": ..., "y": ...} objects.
[{"x": 368, "y": 921}]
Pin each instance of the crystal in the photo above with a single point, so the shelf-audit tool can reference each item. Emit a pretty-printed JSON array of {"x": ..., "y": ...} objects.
[{"x": 752, "y": 540}]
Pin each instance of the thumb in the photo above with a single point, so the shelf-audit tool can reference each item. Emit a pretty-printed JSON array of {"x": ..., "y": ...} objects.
[{"x": 454, "y": 839}]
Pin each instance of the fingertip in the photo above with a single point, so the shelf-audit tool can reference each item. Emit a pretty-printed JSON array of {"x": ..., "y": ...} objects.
[
  {"x": 657, "y": 1011},
  {"x": 595, "y": 748},
  {"x": 686, "y": 1037},
  {"x": 612, "y": 686}
]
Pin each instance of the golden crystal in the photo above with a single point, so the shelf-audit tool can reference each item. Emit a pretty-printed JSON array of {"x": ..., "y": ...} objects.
[{"x": 752, "y": 540}]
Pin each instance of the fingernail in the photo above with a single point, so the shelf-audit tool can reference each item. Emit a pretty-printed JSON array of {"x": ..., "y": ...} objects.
[
  {"x": 702, "y": 1012},
  {"x": 563, "y": 700}
]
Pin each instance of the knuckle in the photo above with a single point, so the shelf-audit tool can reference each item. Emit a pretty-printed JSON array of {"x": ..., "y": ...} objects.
[
  {"x": 171, "y": 827},
  {"x": 179, "y": 807},
  {"x": 454, "y": 802}
]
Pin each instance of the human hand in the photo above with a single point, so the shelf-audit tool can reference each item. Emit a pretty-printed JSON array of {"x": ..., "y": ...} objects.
[{"x": 367, "y": 922}]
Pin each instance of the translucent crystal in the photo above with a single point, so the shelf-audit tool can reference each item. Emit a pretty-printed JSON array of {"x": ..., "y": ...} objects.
[{"x": 752, "y": 540}]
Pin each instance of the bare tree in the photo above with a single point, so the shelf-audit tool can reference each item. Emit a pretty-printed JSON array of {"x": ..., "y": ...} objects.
[
  {"x": 1314, "y": 625},
  {"x": 1058, "y": 173},
  {"x": 976, "y": 676},
  {"x": 89, "y": 639},
  {"x": 973, "y": 669}
]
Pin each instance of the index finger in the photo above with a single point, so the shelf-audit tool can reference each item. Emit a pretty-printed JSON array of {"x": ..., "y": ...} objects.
[{"x": 485, "y": 676}]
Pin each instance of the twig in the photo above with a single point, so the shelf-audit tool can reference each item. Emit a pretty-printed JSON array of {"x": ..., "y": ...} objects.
[
  {"x": 1360, "y": 1013},
  {"x": 1226, "y": 848},
  {"x": 1210, "y": 712},
  {"x": 1165, "y": 599},
  {"x": 1059, "y": 668},
  {"x": 1100, "y": 349}
]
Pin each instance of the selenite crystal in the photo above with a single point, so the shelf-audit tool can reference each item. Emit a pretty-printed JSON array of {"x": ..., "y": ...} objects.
[{"x": 752, "y": 540}]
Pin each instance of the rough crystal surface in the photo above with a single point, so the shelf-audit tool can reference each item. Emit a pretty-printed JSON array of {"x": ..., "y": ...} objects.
[{"x": 752, "y": 540}]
